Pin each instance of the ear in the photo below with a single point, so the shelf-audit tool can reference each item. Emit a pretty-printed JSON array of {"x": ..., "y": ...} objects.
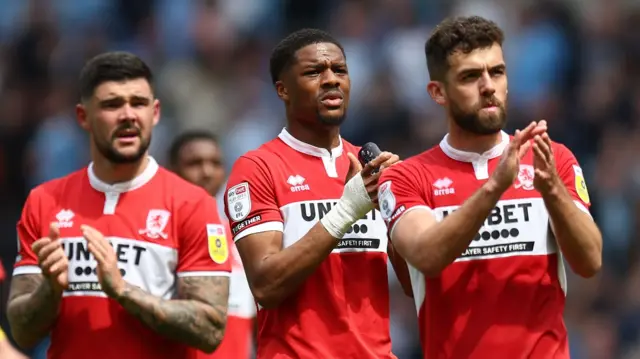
[
  {"x": 81, "y": 116},
  {"x": 437, "y": 92},
  {"x": 282, "y": 91},
  {"x": 156, "y": 112}
]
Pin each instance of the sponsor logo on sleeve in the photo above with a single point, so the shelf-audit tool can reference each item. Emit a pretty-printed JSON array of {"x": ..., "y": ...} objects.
[
  {"x": 581, "y": 185},
  {"x": 239, "y": 201},
  {"x": 217, "y": 240},
  {"x": 387, "y": 200}
]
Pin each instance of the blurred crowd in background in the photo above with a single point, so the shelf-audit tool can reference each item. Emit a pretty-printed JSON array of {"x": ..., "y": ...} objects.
[{"x": 575, "y": 63}]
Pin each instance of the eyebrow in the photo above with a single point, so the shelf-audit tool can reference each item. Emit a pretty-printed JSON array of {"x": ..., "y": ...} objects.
[
  {"x": 136, "y": 98},
  {"x": 480, "y": 69}
]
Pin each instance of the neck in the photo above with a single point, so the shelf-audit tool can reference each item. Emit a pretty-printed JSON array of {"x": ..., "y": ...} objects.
[
  {"x": 112, "y": 173},
  {"x": 319, "y": 136},
  {"x": 470, "y": 142}
]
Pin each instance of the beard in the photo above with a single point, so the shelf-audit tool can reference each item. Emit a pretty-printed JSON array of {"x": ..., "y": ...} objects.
[
  {"x": 109, "y": 151},
  {"x": 329, "y": 120},
  {"x": 480, "y": 124}
]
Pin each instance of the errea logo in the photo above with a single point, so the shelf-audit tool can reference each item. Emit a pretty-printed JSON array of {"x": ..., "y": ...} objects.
[
  {"x": 442, "y": 187},
  {"x": 297, "y": 183},
  {"x": 64, "y": 218}
]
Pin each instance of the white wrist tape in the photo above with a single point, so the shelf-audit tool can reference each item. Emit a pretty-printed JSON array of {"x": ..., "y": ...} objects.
[{"x": 352, "y": 206}]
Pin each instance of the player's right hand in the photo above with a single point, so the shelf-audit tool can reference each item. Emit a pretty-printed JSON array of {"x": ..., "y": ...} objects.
[
  {"x": 52, "y": 259},
  {"x": 509, "y": 165},
  {"x": 370, "y": 179}
]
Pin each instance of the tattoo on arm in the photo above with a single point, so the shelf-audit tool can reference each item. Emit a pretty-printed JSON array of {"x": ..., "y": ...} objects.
[
  {"x": 32, "y": 309},
  {"x": 197, "y": 318}
]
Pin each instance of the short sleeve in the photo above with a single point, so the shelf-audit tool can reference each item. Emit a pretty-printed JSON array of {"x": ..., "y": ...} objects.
[
  {"x": 250, "y": 199},
  {"x": 400, "y": 192},
  {"x": 28, "y": 229},
  {"x": 203, "y": 249},
  {"x": 572, "y": 176}
]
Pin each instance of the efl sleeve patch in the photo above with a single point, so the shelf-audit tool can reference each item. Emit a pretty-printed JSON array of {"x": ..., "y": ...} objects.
[
  {"x": 581, "y": 184},
  {"x": 217, "y": 242},
  {"x": 387, "y": 200},
  {"x": 239, "y": 201}
]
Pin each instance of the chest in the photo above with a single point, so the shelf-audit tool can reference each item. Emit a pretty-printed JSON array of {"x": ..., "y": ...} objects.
[
  {"x": 517, "y": 225},
  {"x": 141, "y": 229},
  {"x": 308, "y": 189}
]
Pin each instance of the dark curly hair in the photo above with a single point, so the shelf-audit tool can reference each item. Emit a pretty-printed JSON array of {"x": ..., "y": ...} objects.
[
  {"x": 111, "y": 66},
  {"x": 463, "y": 34},
  {"x": 284, "y": 53}
]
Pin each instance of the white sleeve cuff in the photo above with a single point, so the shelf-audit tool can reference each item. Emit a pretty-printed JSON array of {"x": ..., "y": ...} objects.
[
  {"x": 582, "y": 207},
  {"x": 203, "y": 274},
  {"x": 263, "y": 227},
  {"x": 29, "y": 269},
  {"x": 402, "y": 215}
]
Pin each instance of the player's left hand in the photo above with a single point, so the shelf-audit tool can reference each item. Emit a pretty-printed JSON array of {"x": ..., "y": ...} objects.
[
  {"x": 546, "y": 177},
  {"x": 107, "y": 270}
]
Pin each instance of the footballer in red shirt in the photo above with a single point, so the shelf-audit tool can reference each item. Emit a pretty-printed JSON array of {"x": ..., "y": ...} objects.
[
  {"x": 196, "y": 156},
  {"x": 484, "y": 219},
  {"x": 313, "y": 245},
  {"x": 122, "y": 259}
]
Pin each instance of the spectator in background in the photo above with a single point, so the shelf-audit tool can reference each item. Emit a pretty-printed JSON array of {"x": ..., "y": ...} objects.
[{"x": 196, "y": 157}]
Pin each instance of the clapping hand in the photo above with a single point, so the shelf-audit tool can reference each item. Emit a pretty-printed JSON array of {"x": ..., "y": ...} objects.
[
  {"x": 109, "y": 276},
  {"x": 52, "y": 260},
  {"x": 509, "y": 165},
  {"x": 546, "y": 177}
]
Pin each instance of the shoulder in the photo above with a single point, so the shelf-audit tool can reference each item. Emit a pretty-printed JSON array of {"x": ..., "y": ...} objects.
[
  {"x": 562, "y": 154},
  {"x": 269, "y": 154},
  {"x": 415, "y": 166},
  {"x": 56, "y": 188},
  {"x": 180, "y": 190}
]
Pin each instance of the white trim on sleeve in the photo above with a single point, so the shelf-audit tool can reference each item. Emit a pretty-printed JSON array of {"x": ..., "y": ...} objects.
[
  {"x": 402, "y": 215},
  {"x": 29, "y": 269},
  {"x": 203, "y": 274},
  {"x": 582, "y": 207},
  {"x": 262, "y": 227}
]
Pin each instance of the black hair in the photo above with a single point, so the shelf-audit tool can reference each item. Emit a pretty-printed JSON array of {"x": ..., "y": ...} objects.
[
  {"x": 185, "y": 138},
  {"x": 111, "y": 66},
  {"x": 283, "y": 55},
  {"x": 463, "y": 34}
]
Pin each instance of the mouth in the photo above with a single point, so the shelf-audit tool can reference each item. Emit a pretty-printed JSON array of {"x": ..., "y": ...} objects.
[
  {"x": 491, "y": 107},
  {"x": 332, "y": 99},
  {"x": 127, "y": 134}
]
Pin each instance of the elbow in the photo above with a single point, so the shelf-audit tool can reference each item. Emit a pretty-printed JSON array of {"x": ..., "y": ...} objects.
[
  {"x": 431, "y": 271},
  {"x": 23, "y": 341},
  {"x": 266, "y": 298},
  {"x": 590, "y": 269},
  {"x": 212, "y": 338}
]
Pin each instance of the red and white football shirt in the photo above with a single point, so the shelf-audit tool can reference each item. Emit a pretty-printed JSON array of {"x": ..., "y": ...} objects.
[
  {"x": 161, "y": 228},
  {"x": 238, "y": 334},
  {"x": 504, "y": 296},
  {"x": 342, "y": 310}
]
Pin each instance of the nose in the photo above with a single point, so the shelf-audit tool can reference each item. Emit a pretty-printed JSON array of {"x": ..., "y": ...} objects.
[
  {"x": 487, "y": 85},
  {"x": 329, "y": 79},
  {"x": 127, "y": 113},
  {"x": 207, "y": 170}
]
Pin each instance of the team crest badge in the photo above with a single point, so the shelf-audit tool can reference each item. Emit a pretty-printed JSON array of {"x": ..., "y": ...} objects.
[
  {"x": 525, "y": 177},
  {"x": 157, "y": 221},
  {"x": 217, "y": 241}
]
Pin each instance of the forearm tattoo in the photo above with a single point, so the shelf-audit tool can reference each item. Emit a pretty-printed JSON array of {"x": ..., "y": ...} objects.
[
  {"x": 33, "y": 308},
  {"x": 197, "y": 318}
]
